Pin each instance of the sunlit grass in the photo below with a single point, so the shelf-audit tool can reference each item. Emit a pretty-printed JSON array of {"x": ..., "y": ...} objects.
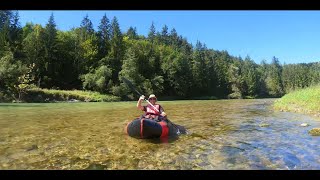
[
  {"x": 64, "y": 95},
  {"x": 304, "y": 100}
]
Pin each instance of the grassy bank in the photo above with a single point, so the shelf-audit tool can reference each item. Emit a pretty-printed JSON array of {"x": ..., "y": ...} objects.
[
  {"x": 303, "y": 101},
  {"x": 38, "y": 95},
  {"x": 46, "y": 95}
]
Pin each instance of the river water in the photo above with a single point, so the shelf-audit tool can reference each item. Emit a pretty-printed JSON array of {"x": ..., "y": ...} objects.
[{"x": 223, "y": 134}]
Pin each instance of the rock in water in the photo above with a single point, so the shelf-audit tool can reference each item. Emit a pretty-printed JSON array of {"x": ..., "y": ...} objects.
[
  {"x": 304, "y": 124},
  {"x": 315, "y": 132},
  {"x": 264, "y": 125},
  {"x": 33, "y": 147}
]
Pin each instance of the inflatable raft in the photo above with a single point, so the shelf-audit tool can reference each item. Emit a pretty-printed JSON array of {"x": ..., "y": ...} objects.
[{"x": 148, "y": 128}]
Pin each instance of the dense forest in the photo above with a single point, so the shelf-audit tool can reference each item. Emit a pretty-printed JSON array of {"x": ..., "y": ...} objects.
[{"x": 164, "y": 63}]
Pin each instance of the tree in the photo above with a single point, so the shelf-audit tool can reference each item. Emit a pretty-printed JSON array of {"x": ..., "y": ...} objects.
[
  {"x": 315, "y": 73},
  {"x": 132, "y": 33},
  {"x": 4, "y": 38},
  {"x": 24, "y": 82},
  {"x": 130, "y": 67},
  {"x": 87, "y": 47},
  {"x": 274, "y": 81},
  {"x": 262, "y": 71},
  {"x": 4, "y": 16},
  {"x": 52, "y": 64},
  {"x": 27, "y": 29},
  {"x": 250, "y": 77},
  {"x": 88, "y": 53},
  {"x": 152, "y": 33},
  {"x": 236, "y": 82},
  {"x": 10, "y": 33},
  {"x": 116, "y": 53},
  {"x": 164, "y": 35},
  {"x": 13, "y": 79},
  {"x": 130, "y": 71},
  {"x": 199, "y": 70},
  {"x": 98, "y": 80},
  {"x": 34, "y": 49},
  {"x": 15, "y": 34},
  {"x": 177, "y": 69},
  {"x": 68, "y": 73},
  {"x": 211, "y": 73},
  {"x": 174, "y": 40},
  {"x": 86, "y": 28},
  {"x": 104, "y": 34},
  {"x": 221, "y": 68}
]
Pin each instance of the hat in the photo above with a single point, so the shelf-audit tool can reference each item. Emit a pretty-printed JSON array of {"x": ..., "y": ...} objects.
[{"x": 152, "y": 96}]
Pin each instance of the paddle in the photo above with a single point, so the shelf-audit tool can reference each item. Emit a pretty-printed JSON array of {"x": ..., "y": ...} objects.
[{"x": 131, "y": 86}]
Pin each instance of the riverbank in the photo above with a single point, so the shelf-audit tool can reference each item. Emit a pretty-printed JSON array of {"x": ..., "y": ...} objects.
[
  {"x": 38, "y": 95},
  {"x": 306, "y": 101}
]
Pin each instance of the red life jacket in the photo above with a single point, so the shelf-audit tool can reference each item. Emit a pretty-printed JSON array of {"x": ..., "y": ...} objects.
[{"x": 152, "y": 111}]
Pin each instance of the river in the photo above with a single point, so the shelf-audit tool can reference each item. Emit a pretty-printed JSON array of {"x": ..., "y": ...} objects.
[{"x": 223, "y": 134}]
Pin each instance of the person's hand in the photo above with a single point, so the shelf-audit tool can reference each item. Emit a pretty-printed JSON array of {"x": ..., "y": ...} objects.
[
  {"x": 163, "y": 114},
  {"x": 141, "y": 97}
]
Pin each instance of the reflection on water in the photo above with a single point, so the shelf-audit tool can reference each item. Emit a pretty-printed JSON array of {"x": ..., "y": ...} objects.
[{"x": 224, "y": 134}]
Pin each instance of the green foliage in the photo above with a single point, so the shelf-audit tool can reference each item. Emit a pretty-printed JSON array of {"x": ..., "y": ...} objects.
[
  {"x": 34, "y": 49},
  {"x": 10, "y": 33},
  {"x": 115, "y": 56},
  {"x": 132, "y": 33},
  {"x": 24, "y": 82},
  {"x": 46, "y": 95},
  {"x": 52, "y": 65},
  {"x": 296, "y": 76},
  {"x": 86, "y": 28},
  {"x": 104, "y": 34},
  {"x": 12, "y": 76},
  {"x": 152, "y": 32},
  {"x": 250, "y": 77},
  {"x": 69, "y": 61},
  {"x": 164, "y": 63},
  {"x": 123, "y": 91},
  {"x": 89, "y": 52},
  {"x": 274, "y": 79},
  {"x": 98, "y": 80},
  {"x": 176, "y": 68},
  {"x": 236, "y": 82},
  {"x": 221, "y": 69}
]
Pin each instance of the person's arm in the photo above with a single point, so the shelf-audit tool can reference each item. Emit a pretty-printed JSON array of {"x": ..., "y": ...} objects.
[
  {"x": 139, "y": 106},
  {"x": 162, "y": 113}
]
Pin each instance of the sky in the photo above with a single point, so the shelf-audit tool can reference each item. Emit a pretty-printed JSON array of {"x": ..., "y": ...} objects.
[{"x": 290, "y": 36}]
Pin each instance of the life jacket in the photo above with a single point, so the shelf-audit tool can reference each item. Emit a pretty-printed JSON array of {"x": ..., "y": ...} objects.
[{"x": 151, "y": 113}]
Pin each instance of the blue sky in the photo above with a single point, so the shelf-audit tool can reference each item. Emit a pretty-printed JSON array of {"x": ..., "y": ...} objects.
[{"x": 291, "y": 36}]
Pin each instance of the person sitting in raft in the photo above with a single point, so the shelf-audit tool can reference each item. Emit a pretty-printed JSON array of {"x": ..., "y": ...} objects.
[{"x": 150, "y": 112}]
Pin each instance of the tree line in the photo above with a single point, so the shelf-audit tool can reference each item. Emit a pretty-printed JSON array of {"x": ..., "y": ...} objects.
[{"x": 163, "y": 62}]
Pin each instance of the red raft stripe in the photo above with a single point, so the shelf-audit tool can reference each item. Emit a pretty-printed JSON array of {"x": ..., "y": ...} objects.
[{"x": 165, "y": 129}]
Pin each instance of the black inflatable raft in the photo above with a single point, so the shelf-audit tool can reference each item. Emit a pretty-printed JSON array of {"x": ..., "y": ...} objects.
[{"x": 148, "y": 128}]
